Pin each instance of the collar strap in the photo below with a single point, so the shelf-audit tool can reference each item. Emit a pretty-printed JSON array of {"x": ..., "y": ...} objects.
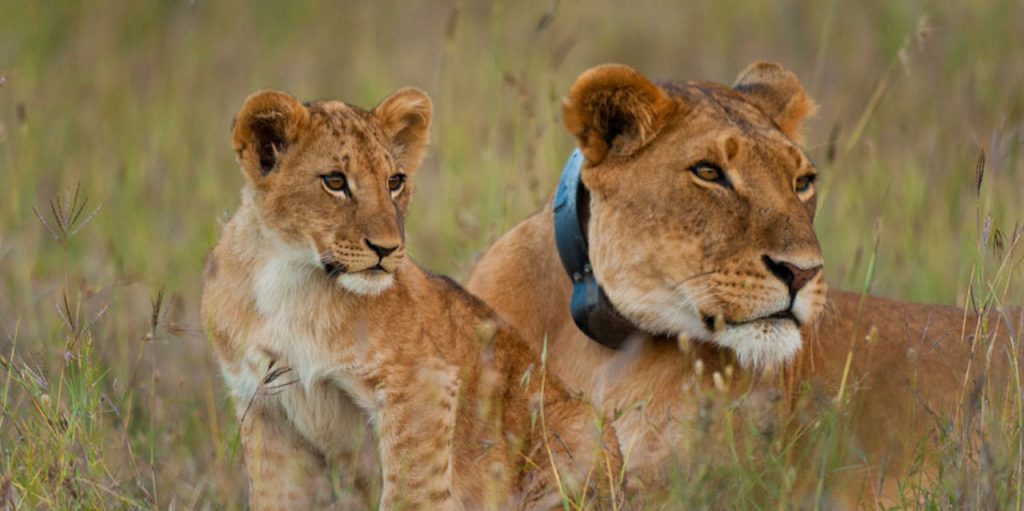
[{"x": 591, "y": 310}]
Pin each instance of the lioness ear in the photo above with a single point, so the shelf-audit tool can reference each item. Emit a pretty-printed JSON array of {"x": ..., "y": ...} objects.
[
  {"x": 779, "y": 94},
  {"x": 613, "y": 109},
  {"x": 405, "y": 119},
  {"x": 268, "y": 123}
]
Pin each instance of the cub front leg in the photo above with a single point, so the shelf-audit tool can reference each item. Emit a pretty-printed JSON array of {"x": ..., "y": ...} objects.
[
  {"x": 285, "y": 471},
  {"x": 417, "y": 425}
]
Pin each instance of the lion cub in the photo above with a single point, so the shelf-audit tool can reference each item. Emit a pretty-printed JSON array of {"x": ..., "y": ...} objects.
[{"x": 320, "y": 322}]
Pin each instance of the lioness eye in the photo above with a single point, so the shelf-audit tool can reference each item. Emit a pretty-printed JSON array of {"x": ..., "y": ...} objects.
[
  {"x": 710, "y": 172},
  {"x": 396, "y": 182},
  {"x": 335, "y": 182},
  {"x": 803, "y": 183}
]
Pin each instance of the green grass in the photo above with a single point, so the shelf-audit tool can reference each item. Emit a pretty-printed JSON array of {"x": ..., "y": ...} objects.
[{"x": 110, "y": 401}]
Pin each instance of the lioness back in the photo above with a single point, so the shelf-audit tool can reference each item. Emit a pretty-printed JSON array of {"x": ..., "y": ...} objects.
[{"x": 321, "y": 325}]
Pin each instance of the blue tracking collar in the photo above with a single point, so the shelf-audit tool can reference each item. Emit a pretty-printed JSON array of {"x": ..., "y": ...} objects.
[{"x": 591, "y": 310}]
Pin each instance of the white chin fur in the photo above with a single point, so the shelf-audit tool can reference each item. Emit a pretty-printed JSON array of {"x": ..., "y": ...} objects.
[
  {"x": 769, "y": 343},
  {"x": 366, "y": 284}
]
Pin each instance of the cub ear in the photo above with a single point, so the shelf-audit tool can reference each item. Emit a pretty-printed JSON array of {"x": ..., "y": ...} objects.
[
  {"x": 267, "y": 125},
  {"x": 779, "y": 94},
  {"x": 405, "y": 119},
  {"x": 613, "y": 109}
]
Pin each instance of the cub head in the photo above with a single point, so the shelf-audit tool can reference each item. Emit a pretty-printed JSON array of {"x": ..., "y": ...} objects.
[
  {"x": 701, "y": 208},
  {"x": 331, "y": 182}
]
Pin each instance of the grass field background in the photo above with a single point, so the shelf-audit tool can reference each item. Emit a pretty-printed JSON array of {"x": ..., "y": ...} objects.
[{"x": 110, "y": 394}]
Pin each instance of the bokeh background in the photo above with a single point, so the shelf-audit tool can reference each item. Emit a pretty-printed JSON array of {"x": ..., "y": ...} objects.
[{"x": 110, "y": 394}]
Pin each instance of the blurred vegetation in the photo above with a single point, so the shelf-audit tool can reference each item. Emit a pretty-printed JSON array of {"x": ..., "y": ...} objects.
[{"x": 110, "y": 396}]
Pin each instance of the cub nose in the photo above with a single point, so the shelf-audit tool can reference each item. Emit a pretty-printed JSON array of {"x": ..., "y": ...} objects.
[
  {"x": 381, "y": 251},
  {"x": 792, "y": 275}
]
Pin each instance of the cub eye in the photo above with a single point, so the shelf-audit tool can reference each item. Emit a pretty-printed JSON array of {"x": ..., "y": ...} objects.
[
  {"x": 803, "y": 183},
  {"x": 710, "y": 172},
  {"x": 335, "y": 183},
  {"x": 396, "y": 182}
]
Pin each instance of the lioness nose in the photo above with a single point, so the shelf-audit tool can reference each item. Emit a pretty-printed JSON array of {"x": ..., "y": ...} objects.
[
  {"x": 792, "y": 275},
  {"x": 381, "y": 252}
]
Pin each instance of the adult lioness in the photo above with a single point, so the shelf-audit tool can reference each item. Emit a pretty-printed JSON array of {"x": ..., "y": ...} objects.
[
  {"x": 320, "y": 322},
  {"x": 700, "y": 223}
]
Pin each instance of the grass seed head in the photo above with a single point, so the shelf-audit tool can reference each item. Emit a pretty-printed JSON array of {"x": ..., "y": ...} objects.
[
  {"x": 720, "y": 384},
  {"x": 685, "y": 344}
]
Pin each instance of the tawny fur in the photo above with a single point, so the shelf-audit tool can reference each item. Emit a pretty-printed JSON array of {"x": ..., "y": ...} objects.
[
  {"x": 670, "y": 249},
  {"x": 318, "y": 333}
]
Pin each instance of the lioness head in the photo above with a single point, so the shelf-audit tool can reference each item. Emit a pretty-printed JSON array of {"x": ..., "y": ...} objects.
[
  {"x": 701, "y": 205},
  {"x": 332, "y": 182}
]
